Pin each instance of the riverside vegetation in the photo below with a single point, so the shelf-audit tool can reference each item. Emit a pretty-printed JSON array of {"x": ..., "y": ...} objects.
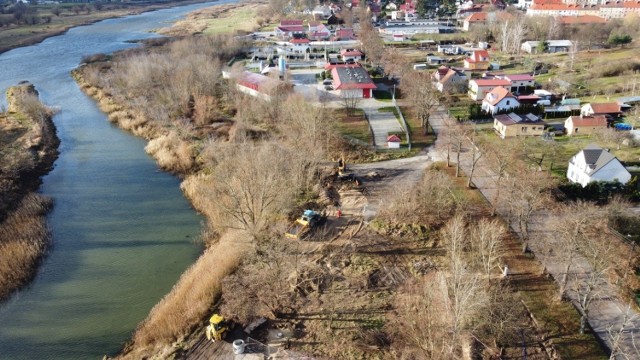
[
  {"x": 28, "y": 148},
  {"x": 240, "y": 159}
]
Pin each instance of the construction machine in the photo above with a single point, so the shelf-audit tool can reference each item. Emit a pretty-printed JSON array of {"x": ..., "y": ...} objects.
[
  {"x": 305, "y": 223},
  {"x": 217, "y": 328}
]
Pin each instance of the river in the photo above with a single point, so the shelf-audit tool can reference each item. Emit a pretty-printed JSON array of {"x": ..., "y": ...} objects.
[{"x": 122, "y": 230}]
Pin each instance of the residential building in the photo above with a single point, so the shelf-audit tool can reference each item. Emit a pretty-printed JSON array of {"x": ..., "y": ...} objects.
[
  {"x": 619, "y": 9},
  {"x": 584, "y": 125},
  {"x": 547, "y": 8},
  {"x": 287, "y": 31},
  {"x": 581, "y": 20},
  {"x": 352, "y": 81},
  {"x": 520, "y": 83},
  {"x": 344, "y": 34},
  {"x": 450, "y": 80},
  {"x": 511, "y": 125},
  {"x": 499, "y": 99},
  {"x": 478, "y": 88},
  {"x": 321, "y": 12},
  {"x": 612, "y": 109},
  {"x": 474, "y": 19},
  {"x": 257, "y": 85},
  {"x": 596, "y": 164},
  {"x": 479, "y": 60},
  {"x": 553, "y": 46},
  {"x": 351, "y": 55}
]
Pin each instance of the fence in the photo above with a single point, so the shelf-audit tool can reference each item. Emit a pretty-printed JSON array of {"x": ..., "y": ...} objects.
[{"x": 402, "y": 120}]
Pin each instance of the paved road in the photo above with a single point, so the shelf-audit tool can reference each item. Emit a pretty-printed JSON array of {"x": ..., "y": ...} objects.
[
  {"x": 382, "y": 123},
  {"x": 608, "y": 314}
]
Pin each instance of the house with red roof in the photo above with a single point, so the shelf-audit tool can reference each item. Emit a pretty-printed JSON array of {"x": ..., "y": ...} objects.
[
  {"x": 479, "y": 60},
  {"x": 319, "y": 32},
  {"x": 344, "y": 34},
  {"x": 291, "y": 22},
  {"x": 258, "y": 85},
  {"x": 352, "y": 81},
  {"x": 499, "y": 99},
  {"x": 582, "y": 20},
  {"x": 474, "y": 19},
  {"x": 287, "y": 31},
  {"x": 478, "y": 88},
  {"x": 409, "y": 7},
  {"x": 607, "y": 109},
  {"x": 584, "y": 125},
  {"x": 349, "y": 55},
  {"x": 448, "y": 80}
]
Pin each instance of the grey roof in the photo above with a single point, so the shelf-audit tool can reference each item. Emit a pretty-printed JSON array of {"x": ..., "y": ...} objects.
[
  {"x": 596, "y": 157},
  {"x": 513, "y": 118},
  {"x": 628, "y": 99}
]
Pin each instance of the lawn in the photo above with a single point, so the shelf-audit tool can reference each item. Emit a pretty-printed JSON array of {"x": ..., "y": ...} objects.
[
  {"x": 243, "y": 18},
  {"x": 354, "y": 127}
]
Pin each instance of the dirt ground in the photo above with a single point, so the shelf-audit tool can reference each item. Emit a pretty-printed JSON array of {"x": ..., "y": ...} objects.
[{"x": 346, "y": 317}]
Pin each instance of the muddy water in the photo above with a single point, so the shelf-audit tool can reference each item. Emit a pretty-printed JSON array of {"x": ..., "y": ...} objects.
[{"x": 122, "y": 231}]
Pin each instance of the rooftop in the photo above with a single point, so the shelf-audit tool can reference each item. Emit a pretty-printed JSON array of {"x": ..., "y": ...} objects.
[
  {"x": 512, "y": 119},
  {"x": 598, "y": 120},
  {"x": 492, "y": 82},
  {"x": 347, "y": 77}
]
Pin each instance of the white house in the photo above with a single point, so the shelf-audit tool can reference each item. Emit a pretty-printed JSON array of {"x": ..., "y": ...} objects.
[
  {"x": 596, "y": 164},
  {"x": 499, "y": 99},
  {"x": 450, "y": 80},
  {"x": 321, "y": 12},
  {"x": 351, "y": 55}
]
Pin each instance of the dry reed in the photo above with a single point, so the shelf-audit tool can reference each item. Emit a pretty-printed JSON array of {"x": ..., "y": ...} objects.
[
  {"x": 190, "y": 300},
  {"x": 24, "y": 237}
]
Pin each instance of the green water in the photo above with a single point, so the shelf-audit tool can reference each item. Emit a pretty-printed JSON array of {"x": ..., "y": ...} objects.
[{"x": 122, "y": 230}]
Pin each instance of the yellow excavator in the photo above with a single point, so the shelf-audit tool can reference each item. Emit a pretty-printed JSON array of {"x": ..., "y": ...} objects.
[{"x": 217, "y": 328}]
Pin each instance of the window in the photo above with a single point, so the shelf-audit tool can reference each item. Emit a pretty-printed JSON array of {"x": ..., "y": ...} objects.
[
  {"x": 524, "y": 129},
  {"x": 507, "y": 102},
  {"x": 576, "y": 130}
]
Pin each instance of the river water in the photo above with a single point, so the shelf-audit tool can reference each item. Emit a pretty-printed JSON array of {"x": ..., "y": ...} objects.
[{"x": 122, "y": 230}]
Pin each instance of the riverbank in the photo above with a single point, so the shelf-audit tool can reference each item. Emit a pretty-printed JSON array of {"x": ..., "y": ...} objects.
[
  {"x": 28, "y": 149},
  {"x": 179, "y": 146},
  {"x": 12, "y": 37}
]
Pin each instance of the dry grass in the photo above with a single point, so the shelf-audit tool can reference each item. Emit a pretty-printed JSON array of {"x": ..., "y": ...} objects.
[
  {"x": 190, "y": 301},
  {"x": 24, "y": 237},
  {"x": 171, "y": 152}
]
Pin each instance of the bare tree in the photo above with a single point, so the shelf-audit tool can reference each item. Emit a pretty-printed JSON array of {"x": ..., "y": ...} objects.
[
  {"x": 500, "y": 156},
  {"x": 527, "y": 189},
  {"x": 249, "y": 185},
  {"x": 350, "y": 102},
  {"x": 574, "y": 224},
  {"x": 477, "y": 151},
  {"x": 487, "y": 247},
  {"x": 419, "y": 91}
]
